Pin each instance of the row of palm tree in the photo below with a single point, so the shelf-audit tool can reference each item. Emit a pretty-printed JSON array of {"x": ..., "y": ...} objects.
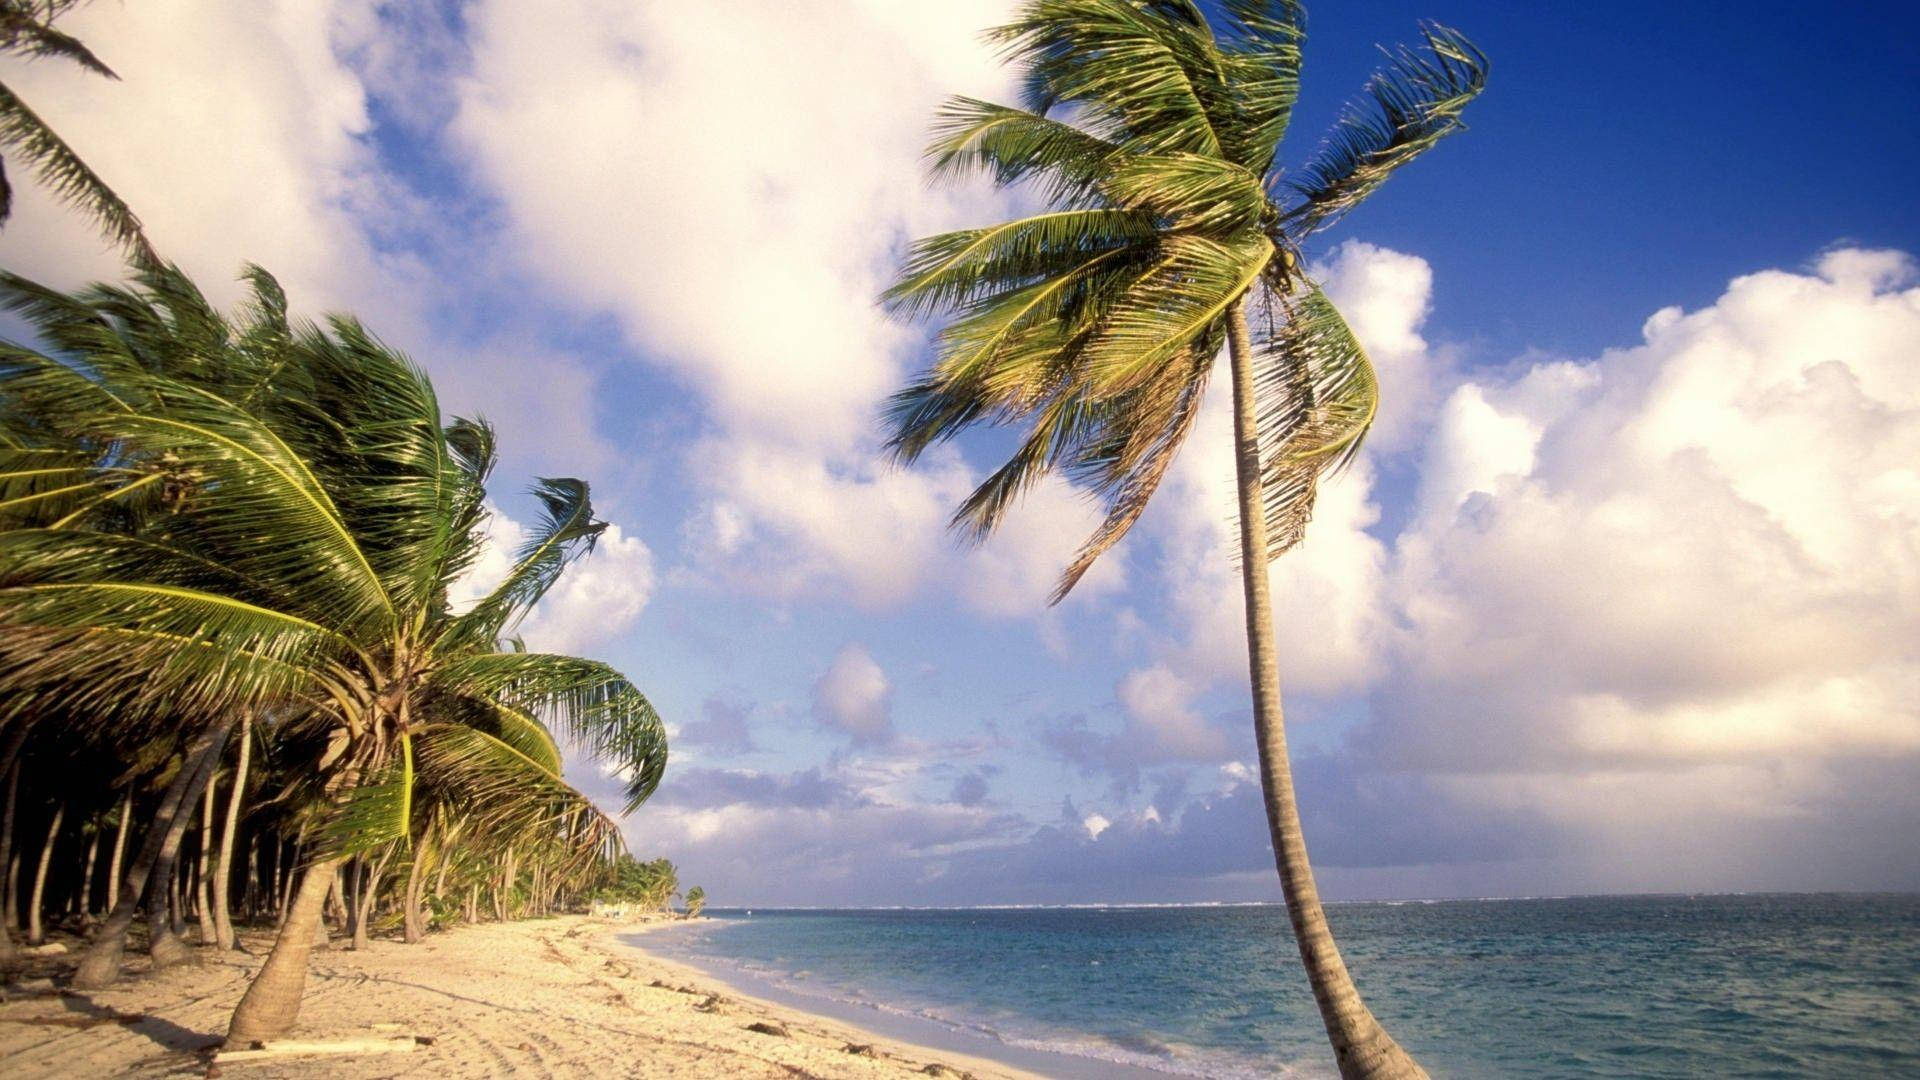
[
  {"x": 226, "y": 552},
  {"x": 1151, "y": 130},
  {"x": 650, "y": 885}
]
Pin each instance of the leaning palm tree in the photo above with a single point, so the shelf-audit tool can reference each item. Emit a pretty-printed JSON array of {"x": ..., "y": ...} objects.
[
  {"x": 27, "y": 30},
  {"x": 304, "y": 509},
  {"x": 1151, "y": 127}
]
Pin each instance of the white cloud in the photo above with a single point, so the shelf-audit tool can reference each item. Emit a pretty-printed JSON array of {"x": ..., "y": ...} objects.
[
  {"x": 735, "y": 186},
  {"x": 1683, "y": 575},
  {"x": 853, "y": 696},
  {"x": 234, "y": 136},
  {"x": 242, "y": 133},
  {"x": 597, "y": 599}
]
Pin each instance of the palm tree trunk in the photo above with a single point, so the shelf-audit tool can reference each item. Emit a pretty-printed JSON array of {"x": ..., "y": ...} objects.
[
  {"x": 272, "y": 1002},
  {"x": 82, "y": 900},
  {"x": 222, "y": 873},
  {"x": 165, "y": 946},
  {"x": 364, "y": 896},
  {"x": 9, "y": 760},
  {"x": 412, "y": 927},
  {"x": 119, "y": 850},
  {"x": 202, "y": 883},
  {"x": 1361, "y": 1046},
  {"x": 36, "y": 932},
  {"x": 100, "y": 966}
]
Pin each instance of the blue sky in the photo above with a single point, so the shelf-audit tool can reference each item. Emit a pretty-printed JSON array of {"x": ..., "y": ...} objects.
[{"x": 1624, "y": 596}]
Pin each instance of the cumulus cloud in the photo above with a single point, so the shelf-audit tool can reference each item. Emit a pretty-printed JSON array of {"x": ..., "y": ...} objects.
[
  {"x": 1677, "y": 585},
  {"x": 595, "y": 601},
  {"x": 735, "y": 187},
  {"x": 722, "y": 726},
  {"x": 250, "y": 133},
  {"x": 854, "y": 697}
]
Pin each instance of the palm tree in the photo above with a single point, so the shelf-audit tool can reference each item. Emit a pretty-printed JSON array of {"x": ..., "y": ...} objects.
[
  {"x": 26, "y": 29},
  {"x": 696, "y": 901},
  {"x": 1151, "y": 127},
  {"x": 302, "y": 509}
]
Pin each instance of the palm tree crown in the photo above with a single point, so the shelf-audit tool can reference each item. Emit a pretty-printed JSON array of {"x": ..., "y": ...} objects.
[{"x": 1151, "y": 129}]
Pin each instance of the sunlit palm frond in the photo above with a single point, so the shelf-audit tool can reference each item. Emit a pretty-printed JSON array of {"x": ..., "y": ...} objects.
[
  {"x": 1171, "y": 305},
  {"x": 1407, "y": 107},
  {"x": 57, "y": 166},
  {"x": 1315, "y": 396}
]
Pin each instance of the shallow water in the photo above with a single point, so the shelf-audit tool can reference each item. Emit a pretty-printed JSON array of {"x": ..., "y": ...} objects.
[{"x": 1672, "y": 986}]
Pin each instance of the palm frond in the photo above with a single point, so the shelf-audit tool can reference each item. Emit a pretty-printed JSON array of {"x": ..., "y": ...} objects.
[
  {"x": 589, "y": 700},
  {"x": 1407, "y": 107},
  {"x": 567, "y": 531},
  {"x": 1259, "y": 44},
  {"x": 60, "y": 169},
  {"x": 1145, "y": 76},
  {"x": 1315, "y": 396},
  {"x": 1171, "y": 305},
  {"x": 953, "y": 269},
  {"x": 1014, "y": 146}
]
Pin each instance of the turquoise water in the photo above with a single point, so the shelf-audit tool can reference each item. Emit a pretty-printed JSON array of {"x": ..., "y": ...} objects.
[{"x": 1670, "y": 986}]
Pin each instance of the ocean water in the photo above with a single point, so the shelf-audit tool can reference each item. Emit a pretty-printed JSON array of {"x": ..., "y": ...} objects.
[{"x": 1663, "y": 986}]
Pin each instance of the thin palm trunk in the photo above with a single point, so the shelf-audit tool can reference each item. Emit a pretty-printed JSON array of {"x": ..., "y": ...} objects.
[
  {"x": 202, "y": 883},
  {"x": 36, "y": 932},
  {"x": 1362, "y": 1047},
  {"x": 222, "y": 872},
  {"x": 165, "y": 946},
  {"x": 272, "y": 1002},
  {"x": 369, "y": 890},
  {"x": 119, "y": 851},
  {"x": 81, "y": 902},
  {"x": 412, "y": 926},
  {"x": 10, "y": 761},
  {"x": 100, "y": 967}
]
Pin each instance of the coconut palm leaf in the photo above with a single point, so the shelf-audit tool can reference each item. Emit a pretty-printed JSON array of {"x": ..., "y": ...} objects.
[
  {"x": 1406, "y": 108},
  {"x": 57, "y": 166}
]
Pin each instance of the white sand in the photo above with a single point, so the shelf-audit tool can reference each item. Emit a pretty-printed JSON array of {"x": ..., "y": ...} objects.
[{"x": 550, "y": 997}]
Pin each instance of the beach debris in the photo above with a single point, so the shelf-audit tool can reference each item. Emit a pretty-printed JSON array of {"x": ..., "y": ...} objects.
[
  {"x": 51, "y": 948},
  {"x": 934, "y": 1068},
  {"x": 273, "y": 1048},
  {"x": 769, "y": 1027},
  {"x": 620, "y": 970},
  {"x": 711, "y": 1004},
  {"x": 860, "y": 1050}
]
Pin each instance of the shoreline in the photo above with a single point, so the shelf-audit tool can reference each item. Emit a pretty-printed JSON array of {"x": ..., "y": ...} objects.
[
  {"x": 561, "y": 996},
  {"x": 889, "y": 1021}
]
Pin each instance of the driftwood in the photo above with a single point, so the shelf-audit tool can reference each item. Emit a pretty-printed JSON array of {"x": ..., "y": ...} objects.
[{"x": 386, "y": 1044}]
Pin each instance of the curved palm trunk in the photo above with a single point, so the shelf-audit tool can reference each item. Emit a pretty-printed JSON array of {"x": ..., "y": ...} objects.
[
  {"x": 10, "y": 761},
  {"x": 119, "y": 851},
  {"x": 203, "y": 897},
  {"x": 272, "y": 1002},
  {"x": 413, "y": 926},
  {"x": 165, "y": 946},
  {"x": 36, "y": 931},
  {"x": 1362, "y": 1047},
  {"x": 101, "y": 964},
  {"x": 81, "y": 902},
  {"x": 222, "y": 870}
]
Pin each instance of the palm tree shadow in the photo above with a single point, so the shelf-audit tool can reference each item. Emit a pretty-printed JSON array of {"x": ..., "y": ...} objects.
[{"x": 164, "y": 1033}]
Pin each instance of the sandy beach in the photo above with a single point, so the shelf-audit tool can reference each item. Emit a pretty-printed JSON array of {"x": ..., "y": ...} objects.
[{"x": 549, "y": 997}]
